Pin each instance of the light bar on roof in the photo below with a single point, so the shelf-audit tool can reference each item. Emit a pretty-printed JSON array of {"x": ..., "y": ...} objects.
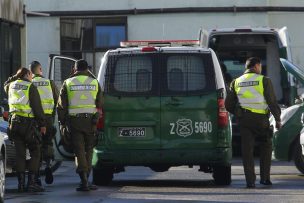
[{"x": 159, "y": 43}]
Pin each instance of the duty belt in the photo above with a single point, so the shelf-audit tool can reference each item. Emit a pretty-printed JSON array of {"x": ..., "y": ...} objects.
[
  {"x": 246, "y": 110},
  {"x": 21, "y": 119},
  {"x": 82, "y": 115}
]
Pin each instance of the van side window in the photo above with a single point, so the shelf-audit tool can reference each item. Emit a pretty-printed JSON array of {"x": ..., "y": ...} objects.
[
  {"x": 133, "y": 74},
  {"x": 186, "y": 73}
]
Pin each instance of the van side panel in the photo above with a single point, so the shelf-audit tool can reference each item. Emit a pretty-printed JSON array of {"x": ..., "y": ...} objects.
[{"x": 191, "y": 124}]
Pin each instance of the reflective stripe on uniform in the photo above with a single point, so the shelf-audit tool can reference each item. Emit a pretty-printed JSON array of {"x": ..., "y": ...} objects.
[
  {"x": 82, "y": 92},
  {"x": 250, "y": 92},
  {"x": 46, "y": 93},
  {"x": 18, "y": 98}
]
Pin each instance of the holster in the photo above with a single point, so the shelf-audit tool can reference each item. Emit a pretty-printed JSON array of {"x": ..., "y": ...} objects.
[
  {"x": 14, "y": 127},
  {"x": 25, "y": 126},
  {"x": 34, "y": 135}
]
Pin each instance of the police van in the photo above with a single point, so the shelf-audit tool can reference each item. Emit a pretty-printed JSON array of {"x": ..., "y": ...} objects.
[{"x": 163, "y": 107}]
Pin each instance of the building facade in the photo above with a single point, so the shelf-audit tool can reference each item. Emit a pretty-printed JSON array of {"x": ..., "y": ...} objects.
[
  {"x": 86, "y": 29},
  {"x": 12, "y": 39}
]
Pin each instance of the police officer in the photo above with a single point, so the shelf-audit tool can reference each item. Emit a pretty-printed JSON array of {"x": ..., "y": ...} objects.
[
  {"x": 25, "y": 114},
  {"x": 49, "y": 96},
  {"x": 79, "y": 97},
  {"x": 250, "y": 98}
]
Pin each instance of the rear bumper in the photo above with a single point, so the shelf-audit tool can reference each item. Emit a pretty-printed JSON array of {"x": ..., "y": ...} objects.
[{"x": 216, "y": 156}]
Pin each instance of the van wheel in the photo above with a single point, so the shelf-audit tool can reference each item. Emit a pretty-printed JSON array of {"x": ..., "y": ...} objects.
[
  {"x": 103, "y": 175},
  {"x": 222, "y": 175},
  {"x": 298, "y": 157}
]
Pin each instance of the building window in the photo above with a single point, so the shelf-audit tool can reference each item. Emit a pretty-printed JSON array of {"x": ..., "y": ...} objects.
[
  {"x": 108, "y": 36},
  {"x": 109, "y": 32},
  {"x": 88, "y": 38}
]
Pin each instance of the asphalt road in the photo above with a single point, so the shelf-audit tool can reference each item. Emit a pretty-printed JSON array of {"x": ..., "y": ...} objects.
[{"x": 179, "y": 184}]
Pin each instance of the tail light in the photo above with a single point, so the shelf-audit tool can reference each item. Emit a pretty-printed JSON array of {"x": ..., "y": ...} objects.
[
  {"x": 222, "y": 113},
  {"x": 100, "y": 123},
  {"x": 148, "y": 49}
]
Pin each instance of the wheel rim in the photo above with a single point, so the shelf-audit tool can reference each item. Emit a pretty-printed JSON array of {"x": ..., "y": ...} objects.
[{"x": 2, "y": 179}]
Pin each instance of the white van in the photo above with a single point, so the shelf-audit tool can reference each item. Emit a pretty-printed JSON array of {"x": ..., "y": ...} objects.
[{"x": 234, "y": 45}]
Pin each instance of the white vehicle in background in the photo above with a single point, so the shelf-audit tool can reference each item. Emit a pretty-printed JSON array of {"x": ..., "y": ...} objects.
[
  {"x": 3, "y": 137},
  {"x": 234, "y": 46}
]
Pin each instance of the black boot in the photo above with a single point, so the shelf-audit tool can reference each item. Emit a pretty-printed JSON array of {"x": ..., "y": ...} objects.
[
  {"x": 21, "y": 182},
  {"x": 84, "y": 182},
  {"x": 49, "y": 178},
  {"x": 91, "y": 185},
  {"x": 32, "y": 186}
]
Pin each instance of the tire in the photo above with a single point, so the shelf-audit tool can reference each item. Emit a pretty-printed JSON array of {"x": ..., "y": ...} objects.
[
  {"x": 222, "y": 175},
  {"x": 298, "y": 157},
  {"x": 103, "y": 176},
  {"x": 2, "y": 179}
]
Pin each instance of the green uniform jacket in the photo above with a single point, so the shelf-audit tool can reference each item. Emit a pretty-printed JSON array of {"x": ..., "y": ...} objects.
[
  {"x": 35, "y": 101},
  {"x": 232, "y": 103},
  {"x": 62, "y": 106}
]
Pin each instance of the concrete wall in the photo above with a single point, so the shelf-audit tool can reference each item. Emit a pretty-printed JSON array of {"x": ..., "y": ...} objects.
[
  {"x": 295, "y": 31},
  {"x": 75, "y": 5},
  {"x": 43, "y": 33},
  {"x": 186, "y": 26},
  {"x": 43, "y": 38}
]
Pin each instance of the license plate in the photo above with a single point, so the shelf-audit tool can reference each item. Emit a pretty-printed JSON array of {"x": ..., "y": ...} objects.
[{"x": 132, "y": 132}]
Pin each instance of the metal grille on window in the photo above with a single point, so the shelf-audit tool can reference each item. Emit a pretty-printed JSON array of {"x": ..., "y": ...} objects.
[
  {"x": 186, "y": 73},
  {"x": 132, "y": 74},
  {"x": 62, "y": 70}
]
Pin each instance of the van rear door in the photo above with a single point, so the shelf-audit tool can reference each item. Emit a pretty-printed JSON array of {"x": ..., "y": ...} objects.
[
  {"x": 203, "y": 38},
  {"x": 60, "y": 68},
  {"x": 131, "y": 102},
  {"x": 188, "y": 101},
  {"x": 285, "y": 51},
  {"x": 294, "y": 70}
]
